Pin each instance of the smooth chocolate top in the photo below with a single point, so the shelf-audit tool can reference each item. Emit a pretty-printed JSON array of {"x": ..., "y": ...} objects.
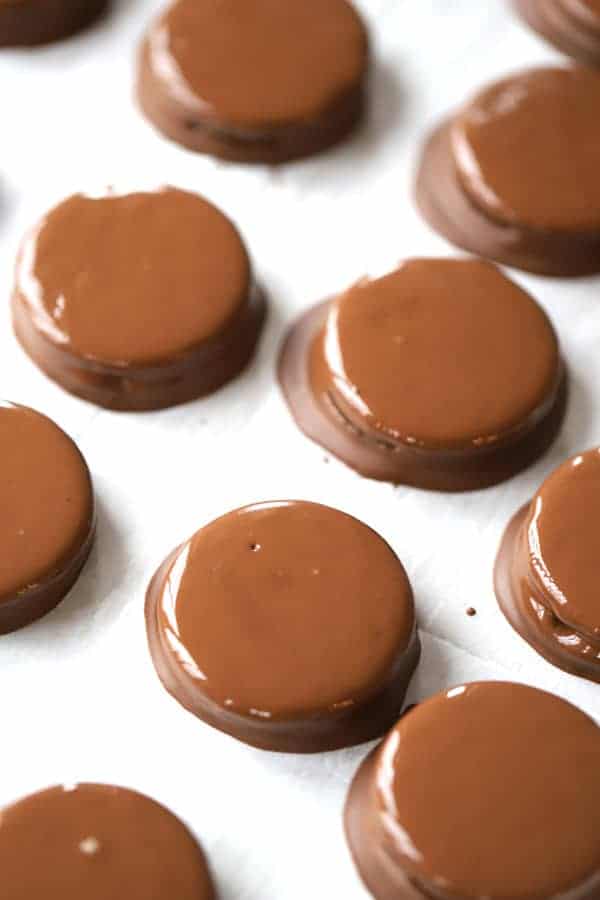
[
  {"x": 563, "y": 535},
  {"x": 97, "y": 842},
  {"x": 286, "y": 609},
  {"x": 493, "y": 790},
  {"x": 134, "y": 278},
  {"x": 440, "y": 353},
  {"x": 46, "y": 500},
  {"x": 257, "y": 62},
  {"x": 527, "y": 149}
]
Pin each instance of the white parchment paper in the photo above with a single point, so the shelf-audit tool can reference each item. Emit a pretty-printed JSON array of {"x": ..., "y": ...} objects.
[{"x": 79, "y": 699}]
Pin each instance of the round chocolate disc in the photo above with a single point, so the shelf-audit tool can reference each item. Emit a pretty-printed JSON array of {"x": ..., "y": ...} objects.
[
  {"x": 543, "y": 177},
  {"x": 419, "y": 377},
  {"x": 487, "y": 790},
  {"x": 137, "y": 301},
  {"x": 288, "y": 625},
  {"x": 546, "y": 572},
  {"x": 29, "y": 22},
  {"x": 255, "y": 80},
  {"x": 96, "y": 841},
  {"x": 571, "y": 25},
  {"x": 513, "y": 175},
  {"x": 46, "y": 515}
]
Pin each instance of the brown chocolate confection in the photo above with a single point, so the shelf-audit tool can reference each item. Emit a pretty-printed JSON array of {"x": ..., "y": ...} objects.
[
  {"x": 513, "y": 175},
  {"x": 137, "y": 301},
  {"x": 443, "y": 375},
  {"x": 97, "y": 842},
  {"x": 289, "y": 625},
  {"x": 255, "y": 81},
  {"x": 571, "y": 25},
  {"x": 487, "y": 790},
  {"x": 29, "y": 22},
  {"x": 546, "y": 575},
  {"x": 46, "y": 516}
]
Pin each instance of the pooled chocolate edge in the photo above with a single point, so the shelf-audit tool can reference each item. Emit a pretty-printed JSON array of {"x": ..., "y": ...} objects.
[
  {"x": 445, "y": 206},
  {"x": 514, "y": 591},
  {"x": 440, "y": 470}
]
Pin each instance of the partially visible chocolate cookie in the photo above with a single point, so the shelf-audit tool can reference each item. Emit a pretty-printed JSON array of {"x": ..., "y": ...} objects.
[
  {"x": 96, "y": 841},
  {"x": 573, "y": 26},
  {"x": 288, "y": 625},
  {"x": 513, "y": 175},
  {"x": 547, "y": 569},
  {"x": 137, "y": 301},
  {"x": 25, "y": 23},
  {"x": 255, "y": 81},
  {"x": 443, "y": 375},
  {"x": 46, "y": 515},
  {"x": 487, "y": 790}
]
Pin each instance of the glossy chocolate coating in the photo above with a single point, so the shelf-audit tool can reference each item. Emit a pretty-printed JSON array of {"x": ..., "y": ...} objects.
[
  {"x": 137, "y": 301},
  {"x": 513, "y": 175},
  {"x": 289, "y": 625},
  {"x": 29, "y": 22},
  {"x": 573, "y": 26},
  {"x": 46, "y": 515},
  {"x": 96, "y": 842},
  {"x": 546, "y": 573},
  {"x": 487, "y": 790},
  {"x": 256, "y": 81},
  {"x": 419, "y": 377}
]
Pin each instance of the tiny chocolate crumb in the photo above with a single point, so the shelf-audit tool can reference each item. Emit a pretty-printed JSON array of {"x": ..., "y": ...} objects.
[{"x": 471, "y": 611}]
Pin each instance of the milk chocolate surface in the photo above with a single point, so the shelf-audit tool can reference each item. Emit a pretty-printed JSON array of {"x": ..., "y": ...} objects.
[
  {"x": 573, "y": 26},
  {"x": 46, "y": 515},
  {"x": 97, "y": 842},
  {"x": 288, "y": 625},
  {"x": 255, "y": 80},
  {"x": 443, "y": 374},
  {"x": 547, "y": 569},
  {"x": 137, "y": 301},
  {"x": 512, "y": 175},
  {"x": 31, "y": 22},
  {"x": 487, "y": 790},
  {"x": 586, "y": 10}
]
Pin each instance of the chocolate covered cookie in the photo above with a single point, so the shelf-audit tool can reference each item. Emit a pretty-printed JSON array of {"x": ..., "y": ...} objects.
[
  {"x": 95, "y": 841},
  {"x": 513, "y": 175},
  {"x": 443, "y": 375},
  {"x": 137, "y": 301},
  {"x": 573, "y": 26},
  {"x": 25, "y": 23},
  {"x": 289, "y": 625},
  {"x": 256, "y": 81},
  {"x": 546, "y": 575},
  {"x": 487, "y": 790},
  {"x": 46, "y": 515}
]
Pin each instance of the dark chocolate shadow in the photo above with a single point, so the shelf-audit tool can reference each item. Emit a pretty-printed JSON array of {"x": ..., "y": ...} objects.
[
  {"x": 254, "y": 381},
  {"x": 387, "y": 101},
  {"x": 577, "y": 432},
  {"x": 386, "y": 104}
]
